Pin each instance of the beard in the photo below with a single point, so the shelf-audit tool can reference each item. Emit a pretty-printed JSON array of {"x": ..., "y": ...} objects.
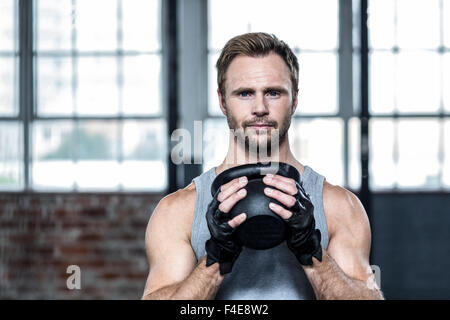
[{"x": 260, "y": 141}]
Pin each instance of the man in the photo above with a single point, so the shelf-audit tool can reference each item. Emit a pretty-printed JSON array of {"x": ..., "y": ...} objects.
[{"x": 258, "y": 93}]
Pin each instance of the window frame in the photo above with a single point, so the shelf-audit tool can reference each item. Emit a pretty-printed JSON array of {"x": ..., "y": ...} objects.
[
  {"x": 395, "y": 116},
  {"x": 15, "y": 53},
  {"x": 346, "y": 108},
  {"x": 27, "y": 98},
  {"x": 184, "y": 52}
]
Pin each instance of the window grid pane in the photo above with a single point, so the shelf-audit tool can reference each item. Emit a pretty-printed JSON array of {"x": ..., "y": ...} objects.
[
  {"x": 304, "y": 16},
  {"x": 98, "y": 60},
  {"x": 11, "y": 132},
  {"x": 316, "y": 51},
  {"x": 317, "y": 83},
  {"x": 99, "y": 155},
  {"x": 382, "y": 82},
  {"x": 96, "y": 83},
  {"x": 91, "y": 68},
  {"x": 354, "y": 153},
  {"x": 55, "y": 86},
  {"x": 409, "y": 75},
  {"x": 383, "y": 171},
  {"x": 8, "y": 59},
  {"x": 53, "y": 146},
  {"x": 11, "y": 155},
  {"x": 446, "y": 81},
  {"x": 407, "y": 154},
  {"x": 93, "y": 35},
  {"x": 8, "y": 23},
  {"x": 417, "y": 33},
  {"x": 9, "y": 85},
  {"x": 54, "y": 21},
  {"x": 141, "y": 32},
  {"x": 446, "y": 23},
  {"x": 418, "y": 153}
]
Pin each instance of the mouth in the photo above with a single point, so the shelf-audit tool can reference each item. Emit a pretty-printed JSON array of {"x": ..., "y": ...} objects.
[{"x": 260, "y": 126}]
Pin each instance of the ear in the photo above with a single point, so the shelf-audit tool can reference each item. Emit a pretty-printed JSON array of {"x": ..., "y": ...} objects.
[
  {"x": 294, "y": 103},
  {"x": 222, "y": 103}
]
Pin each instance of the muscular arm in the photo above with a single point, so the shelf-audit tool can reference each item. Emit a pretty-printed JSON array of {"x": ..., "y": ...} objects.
[
  {"x": 174, "y": 272},
  {"x": 201, "y": 284},
  {"x": 344, "y": 272},
  {"x": 330, "y": 282}
]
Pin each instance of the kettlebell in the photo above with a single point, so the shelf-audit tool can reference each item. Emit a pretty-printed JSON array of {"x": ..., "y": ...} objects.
[{"x": 263, "y": 229}]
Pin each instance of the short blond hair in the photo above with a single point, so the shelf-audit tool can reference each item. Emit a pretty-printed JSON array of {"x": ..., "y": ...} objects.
[{"x": 256, "y": 44}]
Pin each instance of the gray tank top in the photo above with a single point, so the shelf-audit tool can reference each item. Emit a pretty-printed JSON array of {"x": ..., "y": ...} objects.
[{"x": 273, "y": 274}]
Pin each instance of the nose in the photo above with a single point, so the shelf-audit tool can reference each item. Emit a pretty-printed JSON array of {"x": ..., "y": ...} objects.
[{"x": 260, "y": 108}]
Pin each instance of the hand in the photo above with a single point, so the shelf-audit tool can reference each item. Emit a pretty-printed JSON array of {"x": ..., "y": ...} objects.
[
  {"x": 303, "y": 238},
  {"x": 222, "y": 247}
]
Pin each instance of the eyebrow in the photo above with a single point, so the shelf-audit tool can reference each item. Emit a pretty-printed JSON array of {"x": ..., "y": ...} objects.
[
  {"x": 241, "y": 89},
  {"x": 272, "y": 88},
  {"x": 276, "y": 88}
]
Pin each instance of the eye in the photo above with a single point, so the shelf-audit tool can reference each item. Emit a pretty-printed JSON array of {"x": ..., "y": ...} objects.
[
  {"x": 273, "y": 93},
  {"x": 244, "y": 94}
]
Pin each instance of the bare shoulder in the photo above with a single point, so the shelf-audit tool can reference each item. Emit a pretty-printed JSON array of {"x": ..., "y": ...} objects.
[
  {"x": 175, "y": 213},
  {"x": 349, "y": 231},
  {"x": 167, "y": 240},
  {"x": 343, "y": 210}
]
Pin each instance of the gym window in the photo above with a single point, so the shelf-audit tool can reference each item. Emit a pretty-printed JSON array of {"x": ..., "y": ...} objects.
[
  {"x": 83, "y": 103},
  {"x": 409, "y": 77},
  {"x": 409, "y": 94},
  {"x": 322, "y": 43},
  {"x": 90, "y": 116}
]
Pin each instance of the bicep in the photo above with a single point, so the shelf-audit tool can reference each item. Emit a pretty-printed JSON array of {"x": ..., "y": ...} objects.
[
  {"x": 170, "y": 256},
  {"x": 350, "y": 244}
]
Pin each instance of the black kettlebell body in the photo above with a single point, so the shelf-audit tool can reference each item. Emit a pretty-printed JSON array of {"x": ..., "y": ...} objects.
[{"x": 263, "y": 229}]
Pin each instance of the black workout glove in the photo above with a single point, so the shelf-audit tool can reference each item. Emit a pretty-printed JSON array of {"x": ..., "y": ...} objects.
[
  {"x": 303, "y": 238},
  {"x": 222, "y": 247}
]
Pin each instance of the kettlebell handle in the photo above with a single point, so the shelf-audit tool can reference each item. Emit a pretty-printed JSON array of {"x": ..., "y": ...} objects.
[{"x": 254, "y": 171}]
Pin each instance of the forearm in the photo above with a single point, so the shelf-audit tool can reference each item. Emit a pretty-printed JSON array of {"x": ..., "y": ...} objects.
[
  {"x": 330, "y": 282},
  {"x": 201, "y": 284}
]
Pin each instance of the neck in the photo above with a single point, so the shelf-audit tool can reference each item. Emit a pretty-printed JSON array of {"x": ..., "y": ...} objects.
[{"x": 237, "y": 155}]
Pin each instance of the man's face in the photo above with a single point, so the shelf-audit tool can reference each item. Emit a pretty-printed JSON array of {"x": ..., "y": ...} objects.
[{"x": 258, "y": 98}]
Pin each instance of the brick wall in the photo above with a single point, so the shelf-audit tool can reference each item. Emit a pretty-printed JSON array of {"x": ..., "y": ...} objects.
[
  {"x": 103, "y": 234},
  {"x": 42, "y": 234}
]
